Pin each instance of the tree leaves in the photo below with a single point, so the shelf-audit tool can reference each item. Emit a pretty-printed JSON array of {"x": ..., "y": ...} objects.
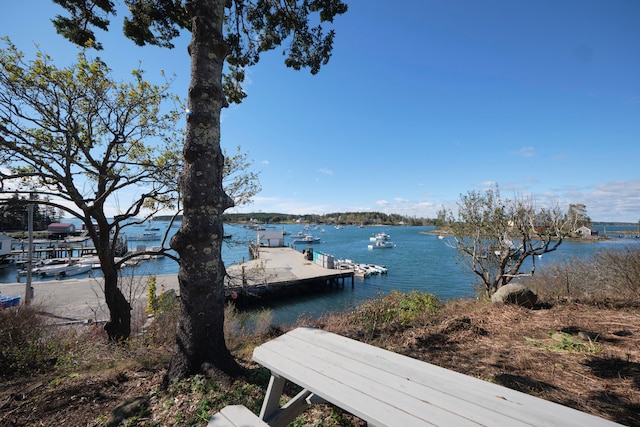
[
  {"x": 82, "y": 133},
  {"x": 251, "y": 27}
]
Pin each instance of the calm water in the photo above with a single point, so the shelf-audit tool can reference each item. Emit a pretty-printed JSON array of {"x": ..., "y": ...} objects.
[{"x": 419, "y": 261}]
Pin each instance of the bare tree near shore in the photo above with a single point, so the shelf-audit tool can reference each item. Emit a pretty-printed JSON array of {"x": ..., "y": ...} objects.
[
  {"x": 494, "y": 236},
  {"x": 226, "y": 37}
]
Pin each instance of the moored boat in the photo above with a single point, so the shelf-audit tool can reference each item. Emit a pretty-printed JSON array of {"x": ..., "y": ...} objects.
[
  {"x": 378, "y": 268},
  {"x": 381, "y": 244},
  {"x": 145, "y": 237},
  {"x": 57, "y": 268},
  {"x": 307, "y": 238},
  {"x": 380, "y": 236}
]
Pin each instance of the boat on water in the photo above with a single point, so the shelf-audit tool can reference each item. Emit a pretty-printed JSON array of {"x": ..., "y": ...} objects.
[
  {"x": 382, "y": 244},
  {"x": 307, "y": 238},
  {"x": 57, "y": 267},
  {"x": 75, "y": 269},
  {"x": 361, "y": 273},
  {"x": 145, "y": 237},
  {"x": 380, "y": 269},
  {"x": 380, "y": 236},
  {"x": 360, "y": 270}
]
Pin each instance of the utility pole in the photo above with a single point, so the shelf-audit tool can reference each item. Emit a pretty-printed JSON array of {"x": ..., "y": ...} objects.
[{"x": 28, "y": 292}]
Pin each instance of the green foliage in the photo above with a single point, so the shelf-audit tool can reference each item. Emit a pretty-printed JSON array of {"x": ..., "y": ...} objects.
[
  {"x": 75, "y": 28},
  {"x": 164, "y": 307},
  {"x": 577, "y": 217},
  {"x": 164, "y": 302},
  {"x": 207, "y": 396},
  {"x": 562, "y": 341},
  {"x": 337, "y": 218},
  {"x": 27, "y": 345},
  {"x": 396, "y": 309},
  {"x": 251, "y": 27},
  {"x": 152, "y": 297},
  {"x": 235, "y": 32},
  {"x": 83, "y": 135},
  {"x": 241, "y": 327},
  {"x": 13, "y": 215}
]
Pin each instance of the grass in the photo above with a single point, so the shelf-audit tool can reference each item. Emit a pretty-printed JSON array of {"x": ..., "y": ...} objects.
[{"x": 563, "y": 341}]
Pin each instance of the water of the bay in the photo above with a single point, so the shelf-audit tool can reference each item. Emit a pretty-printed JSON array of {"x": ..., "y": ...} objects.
[{"x": 419, "y": 261}]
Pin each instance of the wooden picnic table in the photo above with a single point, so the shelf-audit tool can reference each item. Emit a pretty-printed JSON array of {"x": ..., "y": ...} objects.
[{"x": 389, "y": 389}]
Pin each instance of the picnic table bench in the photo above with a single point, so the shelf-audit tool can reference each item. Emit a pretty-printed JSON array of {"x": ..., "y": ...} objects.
[{"x": 388, "y": 389}]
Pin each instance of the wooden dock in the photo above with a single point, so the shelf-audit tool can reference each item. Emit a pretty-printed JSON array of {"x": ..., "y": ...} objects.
[
  {"x": 47, "y": 249},
  {"x": 278, "y": 272}
]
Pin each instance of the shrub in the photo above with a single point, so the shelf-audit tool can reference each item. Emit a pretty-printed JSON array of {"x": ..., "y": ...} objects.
[
  {"x": 27, "y": 345},
  {"x": 395, "y": 310},
  {"x": 609, "y": 276}
]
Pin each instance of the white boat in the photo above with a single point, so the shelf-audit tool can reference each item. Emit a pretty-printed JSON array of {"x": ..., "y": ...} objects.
[
  {"x": 379, "y": 268},
  {"x": 151, "y": 227},
  {"x": 58, "y": 268},
  {"x": 46, "y": 264},
  {"x": 145, "y": 237},
  {"x": 380, "y": 236},
  {"x": 367, "y": 267},
  {"x": 382, "y": 244},
  {"x": 361, "y": 274},
  {"x": 75, "y": 269},
  {"x": 307, "y": 238},
  {"x": 91, "y": 260}
]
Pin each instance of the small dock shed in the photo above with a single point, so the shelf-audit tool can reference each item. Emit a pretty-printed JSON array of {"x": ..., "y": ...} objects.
[
  {"x": 61, "y": 228},
  {"x": 585, "y": 231},
  {"x": 271, "y": 238}
]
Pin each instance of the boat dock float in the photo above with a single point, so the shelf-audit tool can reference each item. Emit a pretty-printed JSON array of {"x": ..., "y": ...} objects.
[{"x": 278, "y": 272}]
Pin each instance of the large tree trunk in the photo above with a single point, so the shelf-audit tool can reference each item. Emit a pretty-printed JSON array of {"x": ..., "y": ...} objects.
[
  {"x": 200, "y": 335},
  {"x": 118, "y": 327}
]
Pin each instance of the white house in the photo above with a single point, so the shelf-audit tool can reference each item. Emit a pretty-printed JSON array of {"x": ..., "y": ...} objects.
[{"x": 585, "y": 231}]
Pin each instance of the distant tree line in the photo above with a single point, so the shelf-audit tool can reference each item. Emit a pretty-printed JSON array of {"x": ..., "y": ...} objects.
[
  {"x": 337, "y": 218},
  {"x": 14, "y": 214}
]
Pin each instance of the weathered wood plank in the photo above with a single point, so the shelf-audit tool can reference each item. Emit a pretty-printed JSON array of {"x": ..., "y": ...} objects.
[
  {"x": 364, "y": 391},
  {"x": 235, "y": 416},
  {"x": 272, "y": 400},
  {"x": 386, "y": 388},
  {"x": 415, "y": 378}
]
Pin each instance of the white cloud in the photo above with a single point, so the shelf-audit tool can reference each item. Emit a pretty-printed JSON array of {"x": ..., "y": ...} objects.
[
  {"x": 524, "y": 152},
  {"x": 617, "y": 201},
  {"x": 487, "y": 184}
]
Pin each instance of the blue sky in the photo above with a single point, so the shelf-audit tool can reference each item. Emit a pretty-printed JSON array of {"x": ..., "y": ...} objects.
[{"x": 427, "y": 100}]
